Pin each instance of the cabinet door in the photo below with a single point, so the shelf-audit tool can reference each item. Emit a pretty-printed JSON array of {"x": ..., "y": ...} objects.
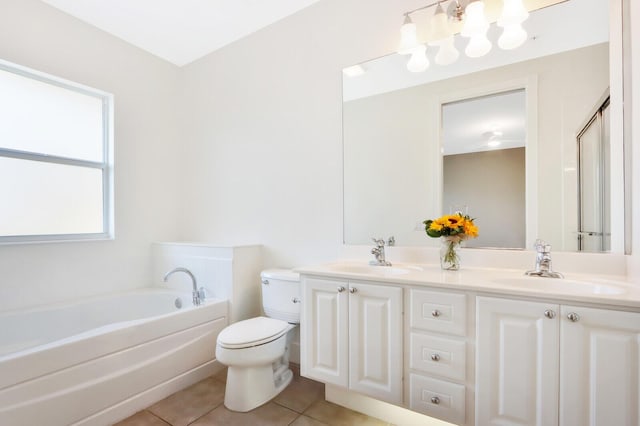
[
  {"x": 375, "y": 341},
  {"x": 516, "y": 363},
  {"x": 324, "y": 345},
  {"x": 599, "y": 367}
]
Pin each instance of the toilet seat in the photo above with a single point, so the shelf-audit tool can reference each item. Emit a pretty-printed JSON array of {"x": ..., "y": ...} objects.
[{"x": 252, "y": 332}]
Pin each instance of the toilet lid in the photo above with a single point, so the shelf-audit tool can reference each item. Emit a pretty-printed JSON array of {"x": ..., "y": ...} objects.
[{"x": 252, "y": 332}]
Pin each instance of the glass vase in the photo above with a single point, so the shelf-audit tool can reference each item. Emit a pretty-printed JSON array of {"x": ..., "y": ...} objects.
[{"x": 450, "y": 253}]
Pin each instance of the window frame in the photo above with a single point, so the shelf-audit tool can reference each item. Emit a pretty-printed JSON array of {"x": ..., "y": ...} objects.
[{"x": 106, "y": 165}]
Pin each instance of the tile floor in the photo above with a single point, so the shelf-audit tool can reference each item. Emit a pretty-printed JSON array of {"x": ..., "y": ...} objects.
[{"x": 300, "y": 404}]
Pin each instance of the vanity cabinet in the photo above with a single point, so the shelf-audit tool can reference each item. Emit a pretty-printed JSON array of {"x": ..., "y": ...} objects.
[
  {"x": 599, "y": 367},
  {"x": 437, "y": 349},
  {"x": 517, "y": 362},
  {"x": 350, "y": 336},
  {"x": 549, "y": 364}
]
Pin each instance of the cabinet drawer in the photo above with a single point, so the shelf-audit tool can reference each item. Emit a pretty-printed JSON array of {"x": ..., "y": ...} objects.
[
  {"x": 436, "y": 355},
  {"x": 438, "y": 311},
  {"x": 437, "y": 398}
]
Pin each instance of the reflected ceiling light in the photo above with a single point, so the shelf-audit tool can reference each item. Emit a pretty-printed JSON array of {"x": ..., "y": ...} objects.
[
  {"x": 493, "y": 143},
  {"x": 474, "y": 26},
  {"x": 513, "y": 15},
  {"x": 353, "y": 71},
  {"x": 418, "y": 61}
]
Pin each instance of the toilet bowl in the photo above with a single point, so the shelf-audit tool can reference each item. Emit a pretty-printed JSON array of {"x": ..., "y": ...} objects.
[{"x": 256, "y": 350}]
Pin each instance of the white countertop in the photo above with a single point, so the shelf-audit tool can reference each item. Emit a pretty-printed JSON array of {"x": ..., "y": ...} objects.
[{"x": 600, "y": 290}]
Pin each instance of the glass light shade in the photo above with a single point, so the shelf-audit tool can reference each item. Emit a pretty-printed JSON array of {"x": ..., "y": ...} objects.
[
  {"x": 418, "y": 61},
  {"x": 447, "y": 52},
  {"x": 408, "y": 37},
  {"x": 513, "y": 13},
  {"x": 478, "y": 46},
  {"x": 475, "y": 23},
  {"x": 512, "y": 37},
  {"x": 439, "y": 25}
]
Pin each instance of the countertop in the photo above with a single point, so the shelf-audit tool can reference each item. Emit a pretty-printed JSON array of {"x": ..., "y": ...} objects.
[{"x": 598, "y": 290}]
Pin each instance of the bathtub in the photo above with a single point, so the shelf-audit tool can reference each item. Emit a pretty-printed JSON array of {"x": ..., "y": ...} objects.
[{"x": 97, "y": 361}]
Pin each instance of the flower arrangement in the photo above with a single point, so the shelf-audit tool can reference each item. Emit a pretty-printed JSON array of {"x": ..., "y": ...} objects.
[{"x": 453, "y": 229}]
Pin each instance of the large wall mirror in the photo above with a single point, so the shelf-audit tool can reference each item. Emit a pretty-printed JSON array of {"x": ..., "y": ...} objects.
[{"x": 527, "y": 141}]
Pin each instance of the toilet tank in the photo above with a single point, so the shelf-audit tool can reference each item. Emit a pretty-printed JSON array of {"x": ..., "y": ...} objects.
[{"x": 281, "y": 294}]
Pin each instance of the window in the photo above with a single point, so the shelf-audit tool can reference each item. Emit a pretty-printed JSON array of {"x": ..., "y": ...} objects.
[{"x": 56, "y": 161}]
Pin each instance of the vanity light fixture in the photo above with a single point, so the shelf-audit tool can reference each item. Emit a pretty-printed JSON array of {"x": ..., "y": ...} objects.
[{"x": 474, "y": 27}]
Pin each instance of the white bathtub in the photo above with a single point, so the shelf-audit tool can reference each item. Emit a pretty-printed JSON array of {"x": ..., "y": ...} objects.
[{"x": 97, "y": 361}]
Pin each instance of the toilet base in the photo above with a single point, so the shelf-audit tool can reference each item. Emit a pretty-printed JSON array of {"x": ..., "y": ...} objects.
[{"x": 248, "y": 388}]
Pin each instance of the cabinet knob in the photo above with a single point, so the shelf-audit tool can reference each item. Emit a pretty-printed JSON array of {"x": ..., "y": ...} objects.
[
  {"x": 549, "y": 314},
  {"x": 435, "y": 357},
  {"x": 435, "y": 313},
  {"x": 265, "y": 282},
  {"x": 573, "y": 317},
  {"x": 435, "y": 400},
  {"x": 353, "y": 290},
  {"x": 340, "y": 289},
  {"x": 295, "y": 300}
]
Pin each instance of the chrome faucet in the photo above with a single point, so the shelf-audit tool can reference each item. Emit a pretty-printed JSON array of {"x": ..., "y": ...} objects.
[
  {"x": 197, "y": 294},
  {"x": 378, "y": 251},
  {"x": 543, "y": 262}
]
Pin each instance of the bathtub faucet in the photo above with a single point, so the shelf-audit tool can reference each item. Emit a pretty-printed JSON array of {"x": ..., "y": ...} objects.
[{"x": 198, "y": 294}]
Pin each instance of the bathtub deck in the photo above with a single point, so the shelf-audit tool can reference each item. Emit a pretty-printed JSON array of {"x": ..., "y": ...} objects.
[{"x": 301, "y": 404}]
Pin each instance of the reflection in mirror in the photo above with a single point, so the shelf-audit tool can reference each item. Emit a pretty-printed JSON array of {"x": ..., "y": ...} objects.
[
  {"x": 395, "y": 122},
  {"x": 485, "y": 138}
]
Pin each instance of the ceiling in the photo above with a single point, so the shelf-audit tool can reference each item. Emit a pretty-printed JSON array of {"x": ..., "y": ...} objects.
[
  {"x": 470, "y": 125},
  {"x": 180, "y": 31}
]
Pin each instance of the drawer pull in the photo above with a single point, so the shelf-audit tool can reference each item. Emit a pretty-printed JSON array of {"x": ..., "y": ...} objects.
[
  {"x": 435, "y": 400},
  {"x": 435, "y": 313},
  {"x": 435, "y": 357}
]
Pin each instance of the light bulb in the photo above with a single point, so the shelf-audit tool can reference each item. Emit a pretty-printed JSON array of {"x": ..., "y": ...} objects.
[
  {"x": 408, "y": 37},
  {"x": 439, "y": 25},
  {"x": 478, "y": 46},
  {"x": 475, "y": 27},
  {"x": 475, "y": 23},
  {"x": 447, "y": 52},
  {"x": 418, "y": 61},
  {"x": 513, "y": 13},
  {"x": 512, "y": 37}
]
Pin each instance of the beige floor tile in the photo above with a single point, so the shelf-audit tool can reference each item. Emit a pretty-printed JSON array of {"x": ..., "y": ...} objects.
[
  {"x": 270, "y": 414},
  {"x": 300, "y": 394},
  {"x": 182, "y": 408},
  {"x": 336, "y": 415},
  {"x": 221, "y": 376},
  {"x": 142, "y": 418},
  {"x": 307, "y": 421}
]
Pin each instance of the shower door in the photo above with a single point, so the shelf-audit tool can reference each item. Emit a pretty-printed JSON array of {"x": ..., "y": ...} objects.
[{"x": 594, "y": 233}]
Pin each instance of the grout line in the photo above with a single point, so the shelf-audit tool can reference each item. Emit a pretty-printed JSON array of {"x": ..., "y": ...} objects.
[{"x": 158, "y": 417}]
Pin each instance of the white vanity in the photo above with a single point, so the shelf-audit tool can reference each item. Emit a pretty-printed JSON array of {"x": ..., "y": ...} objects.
[{"x": 478, "y": 346}]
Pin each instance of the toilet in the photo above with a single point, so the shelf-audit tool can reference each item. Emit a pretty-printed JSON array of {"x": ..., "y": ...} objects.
[{"x": 256, "y": 350}]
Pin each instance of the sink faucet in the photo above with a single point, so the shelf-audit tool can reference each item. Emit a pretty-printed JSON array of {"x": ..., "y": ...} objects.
[
  {"x": 198, "y": 294},
  {"x": 378, "y": 251},
  {"x": 543, "y": 262}
]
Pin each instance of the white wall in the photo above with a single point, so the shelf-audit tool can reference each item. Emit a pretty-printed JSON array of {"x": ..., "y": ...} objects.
[
  {"x": 146, "y": 156},
  {"x": 264, "y": 116}
]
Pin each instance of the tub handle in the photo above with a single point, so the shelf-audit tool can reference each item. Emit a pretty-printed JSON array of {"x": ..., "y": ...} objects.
[{"x": 202, "y": 293}]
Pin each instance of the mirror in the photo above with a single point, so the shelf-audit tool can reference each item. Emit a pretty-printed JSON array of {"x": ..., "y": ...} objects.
[{"x": 397, "y": 171}]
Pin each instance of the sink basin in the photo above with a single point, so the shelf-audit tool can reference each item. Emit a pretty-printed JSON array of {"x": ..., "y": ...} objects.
[
  {"x": 359, "y": 268},
  {"x": 561, "y": 285}
]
